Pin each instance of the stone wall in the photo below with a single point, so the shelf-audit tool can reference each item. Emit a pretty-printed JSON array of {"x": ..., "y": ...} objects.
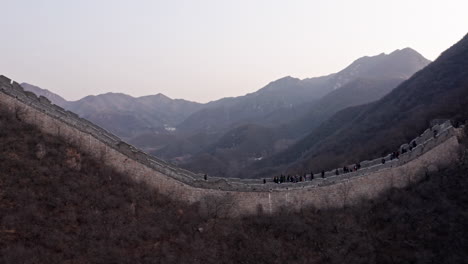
[{"x": 244, "y": 196}]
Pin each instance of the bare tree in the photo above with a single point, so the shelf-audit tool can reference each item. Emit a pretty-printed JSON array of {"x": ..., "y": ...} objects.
[
  {"x": 218, "y": 206},
  {"x": 462, "y": 151},
  {"x": 20, "y": 112},
  {"x": 344, "y": 190}
]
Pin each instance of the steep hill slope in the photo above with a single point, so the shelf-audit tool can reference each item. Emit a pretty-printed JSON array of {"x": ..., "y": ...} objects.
[
  {"x": 357, "y": 92},
  {"x": 438, "y": 91},
  {"x": 229, "y": 160},
  {"x": 58, "y": 205}
]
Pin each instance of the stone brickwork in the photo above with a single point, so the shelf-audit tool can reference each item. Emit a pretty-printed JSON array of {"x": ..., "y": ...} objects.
[{"x": 246, "y": 196}]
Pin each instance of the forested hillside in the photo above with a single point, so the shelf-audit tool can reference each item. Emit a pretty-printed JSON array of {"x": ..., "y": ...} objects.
[{"x": 58, "y": 205}]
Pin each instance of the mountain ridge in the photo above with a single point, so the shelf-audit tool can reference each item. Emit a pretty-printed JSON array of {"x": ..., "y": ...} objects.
[
  {"x": 289, "y": 92},
  {"x": 438, "y": 91}
]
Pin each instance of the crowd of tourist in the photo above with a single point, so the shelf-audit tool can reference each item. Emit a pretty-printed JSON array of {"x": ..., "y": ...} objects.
[{"x": 309, "y": 177}]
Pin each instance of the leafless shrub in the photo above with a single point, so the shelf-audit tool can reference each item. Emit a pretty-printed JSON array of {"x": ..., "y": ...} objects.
[
  {"x": 218, "y": 206},
  {"x": 344, "y": 189},
  {"x": 19, "y": 112}
]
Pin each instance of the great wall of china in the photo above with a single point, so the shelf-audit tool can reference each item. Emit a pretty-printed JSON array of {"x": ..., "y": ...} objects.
[{"x": 244, "y": 196}]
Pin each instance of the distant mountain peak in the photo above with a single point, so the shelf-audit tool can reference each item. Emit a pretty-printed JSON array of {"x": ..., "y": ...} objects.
[
  {"x": 280, "y": 84},
  {"x": 162, "y": 96},
  {"x": 114, "y": 94},
  {"x": 285, "y": 79},
  {"x": 401, "y": 63},
  {"x": 155, "y": 99},
  {"x": 406, "y": 52},
  {"x": 288, "y": 77}
]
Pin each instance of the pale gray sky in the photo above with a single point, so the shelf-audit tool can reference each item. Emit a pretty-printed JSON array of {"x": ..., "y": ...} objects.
[{"x": 203, "y": 50}]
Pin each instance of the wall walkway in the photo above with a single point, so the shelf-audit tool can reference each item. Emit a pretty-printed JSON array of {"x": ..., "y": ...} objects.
[{"x": 243, "y": 196}]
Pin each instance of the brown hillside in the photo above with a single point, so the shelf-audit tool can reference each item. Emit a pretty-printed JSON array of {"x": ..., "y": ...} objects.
[{"x": 58, "y": 205}]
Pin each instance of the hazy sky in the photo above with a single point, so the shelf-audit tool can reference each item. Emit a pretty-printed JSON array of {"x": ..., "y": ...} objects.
[{"x": 203, "y": 50}]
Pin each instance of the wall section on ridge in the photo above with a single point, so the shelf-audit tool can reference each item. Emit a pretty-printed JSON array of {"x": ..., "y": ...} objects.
[{"x": 243, "y": 196}]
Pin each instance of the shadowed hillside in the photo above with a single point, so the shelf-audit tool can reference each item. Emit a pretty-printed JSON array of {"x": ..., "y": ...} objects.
[
  {"x": 57, "y": 205},
  {"x": 357, "y": 92},
  {"x": 439, "y": 91},
  {"x": 251, "y": 143}
]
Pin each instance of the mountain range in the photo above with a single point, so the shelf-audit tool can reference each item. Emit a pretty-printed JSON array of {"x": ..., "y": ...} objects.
[
  {"x": 289, "y": 98},
  {"x": 439, "y": 91},
  {"x": 226, "y": 136},
  {"x": 124, "y": 115}
]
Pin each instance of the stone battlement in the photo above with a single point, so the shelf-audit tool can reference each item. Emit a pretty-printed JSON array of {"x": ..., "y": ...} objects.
[{"x": 171, "y": 179}]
